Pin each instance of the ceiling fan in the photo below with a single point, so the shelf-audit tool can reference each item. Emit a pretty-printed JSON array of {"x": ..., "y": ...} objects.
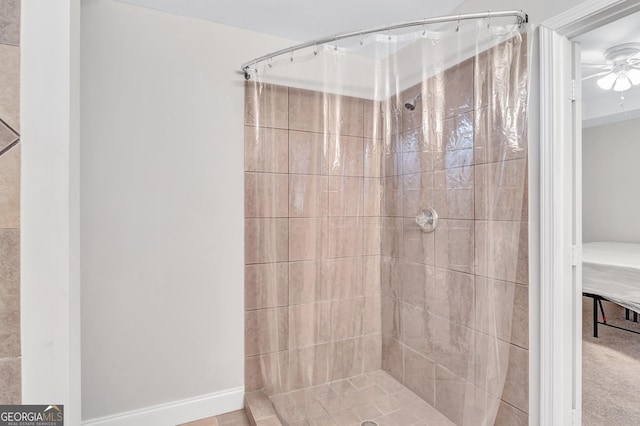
[{"x": 621, "y": 70}]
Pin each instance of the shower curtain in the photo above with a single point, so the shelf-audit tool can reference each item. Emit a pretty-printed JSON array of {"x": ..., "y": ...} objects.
[{"x": 346, "y": 144}]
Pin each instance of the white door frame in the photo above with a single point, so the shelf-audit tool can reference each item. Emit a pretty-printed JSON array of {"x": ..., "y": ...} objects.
[{"x": 559, "y": 317}]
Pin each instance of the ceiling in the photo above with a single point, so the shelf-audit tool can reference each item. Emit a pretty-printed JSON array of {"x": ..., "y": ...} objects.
[
  {"x": 605, "y": 106},
  {"x": 303, "y": 20}
]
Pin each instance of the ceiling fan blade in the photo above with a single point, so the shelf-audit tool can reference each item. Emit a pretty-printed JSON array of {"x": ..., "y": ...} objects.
[
  {"x": 595, "y": 75},
  {"x": 601, "y": 66}
]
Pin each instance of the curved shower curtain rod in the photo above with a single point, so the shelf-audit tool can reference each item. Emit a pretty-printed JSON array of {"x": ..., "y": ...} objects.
[{"x": 522, "y": 18}]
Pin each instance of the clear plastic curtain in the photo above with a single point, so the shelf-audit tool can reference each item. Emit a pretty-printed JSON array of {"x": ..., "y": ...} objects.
[{"x": 355, "y": 311}]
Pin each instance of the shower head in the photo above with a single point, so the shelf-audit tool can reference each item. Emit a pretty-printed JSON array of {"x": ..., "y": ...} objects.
[{"x": 411, "y": 105}]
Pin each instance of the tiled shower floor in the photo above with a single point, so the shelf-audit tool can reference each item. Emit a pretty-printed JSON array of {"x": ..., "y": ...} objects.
[{"x": 373, "y": 396}]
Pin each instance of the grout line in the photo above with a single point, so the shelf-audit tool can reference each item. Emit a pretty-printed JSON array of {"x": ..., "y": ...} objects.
[
  {"x": 10, "y": 128},
  {"x": 8, "y": 148},
  {"x": 512, "y": 406}
]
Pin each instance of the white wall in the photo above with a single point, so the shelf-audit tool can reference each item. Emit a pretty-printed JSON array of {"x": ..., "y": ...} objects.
[
  {"x": 50, "y": 244},
  {"x": 610, "y": 177},
  {"x": 162, "y": 208}
]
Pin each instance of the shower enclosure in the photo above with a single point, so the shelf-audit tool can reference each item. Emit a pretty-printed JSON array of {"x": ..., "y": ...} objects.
[{"x": 386, "y": 228}]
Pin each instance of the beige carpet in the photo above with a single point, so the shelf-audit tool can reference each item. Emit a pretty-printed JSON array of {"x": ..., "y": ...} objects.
[{"x": 610, "y": 370}]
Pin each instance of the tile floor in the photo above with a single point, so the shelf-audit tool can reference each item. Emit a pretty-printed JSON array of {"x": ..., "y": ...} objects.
[
  {"x": 235, "y": 418},
  {"x": 373, "y": 396}
]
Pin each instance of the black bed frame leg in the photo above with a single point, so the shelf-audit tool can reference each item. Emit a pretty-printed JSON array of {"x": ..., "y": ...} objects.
[
  {"x": 627, "y": 311},
  {"x": 595, "y": 317},
  {"x": 597, "y": 304},
  {"x": 604, "y": 317}
]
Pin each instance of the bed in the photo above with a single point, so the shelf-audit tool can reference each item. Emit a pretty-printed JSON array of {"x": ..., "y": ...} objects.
[{"x": 611, "y": 271}]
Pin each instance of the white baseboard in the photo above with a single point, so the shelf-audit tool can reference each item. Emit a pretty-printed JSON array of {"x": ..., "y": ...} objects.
[{"x": 176, "y": 412}]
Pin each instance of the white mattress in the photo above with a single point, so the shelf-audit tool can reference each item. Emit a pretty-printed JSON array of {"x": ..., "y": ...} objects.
[{"x": 612, "y": 270}]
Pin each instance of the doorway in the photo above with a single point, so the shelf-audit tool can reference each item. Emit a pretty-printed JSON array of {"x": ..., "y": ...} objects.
[
  {"x": 610, "y": 67},
  {"x": 561, "y": 189}
]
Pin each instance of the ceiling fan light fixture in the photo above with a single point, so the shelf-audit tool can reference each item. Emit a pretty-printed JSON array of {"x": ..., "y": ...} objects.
[
  {"x": 623, "y": 68},
  {"x": 634, "y": 76},
  {"x": 607, "y": 81},
  {"x": 622, "y": 82}
]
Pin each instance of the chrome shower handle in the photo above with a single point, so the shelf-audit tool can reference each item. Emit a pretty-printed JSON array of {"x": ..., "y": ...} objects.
[{"x": 427, "y": 219}]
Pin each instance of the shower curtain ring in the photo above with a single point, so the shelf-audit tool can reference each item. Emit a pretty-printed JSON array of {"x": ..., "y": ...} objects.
[
  {"x": 488, "y": 19},
  {"x": 291, "y": 57},
  {"x": 389, "y": 32},
  {"x": 361, "y": 39},
  {"x": 458, "y": 25},
  {"x": 424, "y": 27},
  {"x": 335, "y": 42},
  {"x": 315, "y": 48}
]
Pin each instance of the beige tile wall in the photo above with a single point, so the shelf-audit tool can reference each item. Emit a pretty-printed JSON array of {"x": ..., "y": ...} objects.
[
  {"x": 312, "y": 238},
  {"x": 10, "y": 384},
  {"x": 455, "y": 302}
]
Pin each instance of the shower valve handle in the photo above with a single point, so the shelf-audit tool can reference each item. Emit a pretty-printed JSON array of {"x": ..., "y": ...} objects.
[{"x": 427, "y": 219}]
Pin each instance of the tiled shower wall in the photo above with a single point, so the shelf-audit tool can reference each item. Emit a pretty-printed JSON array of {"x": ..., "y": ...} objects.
[
  {"x": 312, "y": 238},
  {"x": 455, "y": 301},
  {"x": 10, "y": 387},
  {"x": 330, "y": 205}
]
